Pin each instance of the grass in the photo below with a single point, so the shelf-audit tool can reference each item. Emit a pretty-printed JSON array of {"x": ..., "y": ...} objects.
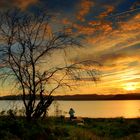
[{"x": 62, "y": 129}]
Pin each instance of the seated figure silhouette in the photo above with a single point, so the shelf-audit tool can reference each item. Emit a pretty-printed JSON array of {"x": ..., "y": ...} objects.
[{"x": 71, "y": 113}]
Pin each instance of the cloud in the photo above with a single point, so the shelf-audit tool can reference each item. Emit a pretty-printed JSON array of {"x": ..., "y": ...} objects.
[
  {"x": 113, "y": 42},
  {"x": 117, "y": 47},
  {"x": 119, "y": 61},
  {"x": 109, "y": 10},
  {"x": 84, "y": 8},
  {"x": 84, "y": 29},
  {"x": 105, "y": 58},
  {"x": 94, "y": 26},
  {"x": 125, "y": 34},
  {"x": 130, "y": 26},
  {"x": 22, "y": 4}
]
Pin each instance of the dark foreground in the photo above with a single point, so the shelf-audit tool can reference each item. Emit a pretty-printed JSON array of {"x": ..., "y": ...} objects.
[{"x": 63, "y": 129}]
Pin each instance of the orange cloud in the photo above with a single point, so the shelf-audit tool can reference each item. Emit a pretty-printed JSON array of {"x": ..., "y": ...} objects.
[
  {"x": 91, "y": 27},
  {"x": 65, "y": 21},
  {"x": 104, "y": 26},
  {"x": 84, "y": 8},
  {"x": 109, "y": 10},
  {"x": 86, "y": 30},
  {"x": 80, "y": 29},
  {"x": 132, "y": 25},
  {"x": 116, "y": 48},
  {"x": 23, "y": 4}
]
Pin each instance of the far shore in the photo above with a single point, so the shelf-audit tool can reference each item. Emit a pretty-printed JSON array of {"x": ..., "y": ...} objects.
[{"x": 85, "y": 97}]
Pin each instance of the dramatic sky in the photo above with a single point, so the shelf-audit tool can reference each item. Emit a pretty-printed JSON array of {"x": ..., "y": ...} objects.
[{"x": 112, "y": 32}]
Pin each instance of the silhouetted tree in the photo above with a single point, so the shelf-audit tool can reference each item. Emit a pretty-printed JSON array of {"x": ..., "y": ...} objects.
[{"x": 27, "y": 41}]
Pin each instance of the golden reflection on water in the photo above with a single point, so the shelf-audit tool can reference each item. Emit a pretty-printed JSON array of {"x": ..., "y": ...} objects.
[
  {"x": 131, "y": 109},
  {"x": 93, "y": 109},
  {"x": 101, "y": 109}
]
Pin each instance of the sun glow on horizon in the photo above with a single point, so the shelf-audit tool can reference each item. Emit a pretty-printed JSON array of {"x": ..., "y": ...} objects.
[{"x": 130, "y": 86}]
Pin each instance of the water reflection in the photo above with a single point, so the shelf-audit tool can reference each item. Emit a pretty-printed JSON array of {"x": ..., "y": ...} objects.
[
  {"x": 94, "y": 109},
  {"x": 131, "y": 109},
  {"x": 101, "y": 109}
]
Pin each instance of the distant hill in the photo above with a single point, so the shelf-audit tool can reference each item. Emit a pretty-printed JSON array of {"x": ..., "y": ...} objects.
[{"x": 134, "y": 96}]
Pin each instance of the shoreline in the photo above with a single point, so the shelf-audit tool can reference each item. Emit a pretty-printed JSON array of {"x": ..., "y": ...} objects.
[{"x": 84, "y": 97}]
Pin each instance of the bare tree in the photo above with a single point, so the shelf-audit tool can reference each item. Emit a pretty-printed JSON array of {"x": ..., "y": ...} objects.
[{"x": 28, "y": 40}]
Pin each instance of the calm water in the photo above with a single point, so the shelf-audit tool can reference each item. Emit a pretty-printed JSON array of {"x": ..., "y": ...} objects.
[{"x": 94, "y": 109}]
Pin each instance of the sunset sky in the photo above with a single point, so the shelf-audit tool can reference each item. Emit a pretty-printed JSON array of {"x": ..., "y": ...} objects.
[{"x": 112, "y": 33}]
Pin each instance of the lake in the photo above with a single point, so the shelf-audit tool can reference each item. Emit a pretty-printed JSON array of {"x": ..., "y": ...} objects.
[{"x": 93, "y": 109}]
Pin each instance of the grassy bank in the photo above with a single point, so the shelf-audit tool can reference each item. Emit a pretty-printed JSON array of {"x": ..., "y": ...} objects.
[{"x": 63, "y": 129}]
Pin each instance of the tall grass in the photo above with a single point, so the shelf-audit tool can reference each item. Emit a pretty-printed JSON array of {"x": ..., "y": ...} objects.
[{"x": 57, "y": 128}]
